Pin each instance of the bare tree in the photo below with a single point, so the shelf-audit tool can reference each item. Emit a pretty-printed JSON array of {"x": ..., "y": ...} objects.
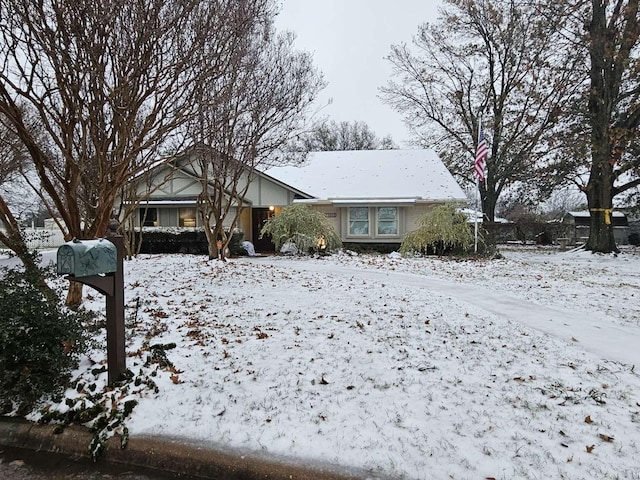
[
  {"x": 12, "y": 161},
  {"x": 356, "y": 135},
  {"x": 113, "y": 82},
  {"x": 563, "y": 200},
  {"x": 247, "y": 119},
  {"x": 488, "y": 63},
  {"x": 16, "y": 201}
]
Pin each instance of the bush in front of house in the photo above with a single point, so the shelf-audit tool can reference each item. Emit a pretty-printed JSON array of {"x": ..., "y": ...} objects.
[
  {"x": 174, "y": 241},
  {"x": 442, "y": 230},
  {"x": 192, "y": 241},
  {"x": 308, "y": 229},
  {"x": 371, "y": 248},
  {"x": 40, "y": 341},
  {"x": 235, "y": 244}
]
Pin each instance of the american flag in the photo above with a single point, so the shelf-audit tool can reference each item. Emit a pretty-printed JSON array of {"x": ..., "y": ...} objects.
[{"x": 481, "y": 155}]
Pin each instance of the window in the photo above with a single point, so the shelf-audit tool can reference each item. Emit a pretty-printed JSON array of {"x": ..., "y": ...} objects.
[
  {"x": 187, "y": 217},
  {"x": 388, "y": 221},
  {"x": 148, "y": 217},
  {"x": 359, "y": 221}
]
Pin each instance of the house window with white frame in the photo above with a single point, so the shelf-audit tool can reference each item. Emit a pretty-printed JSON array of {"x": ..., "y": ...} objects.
[
  {"x": 388, "y": 221},
  {"x": 359, "y": 221}
]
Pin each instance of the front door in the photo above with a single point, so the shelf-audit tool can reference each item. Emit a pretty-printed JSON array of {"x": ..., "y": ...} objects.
[{"x": 258, "y": 218}]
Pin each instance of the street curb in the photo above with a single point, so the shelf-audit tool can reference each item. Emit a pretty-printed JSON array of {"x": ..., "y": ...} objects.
[{"x": 166, "y": 455}]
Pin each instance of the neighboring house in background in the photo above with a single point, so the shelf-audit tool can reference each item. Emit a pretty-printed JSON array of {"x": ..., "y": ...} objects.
[
  {"x": 578, "y": 226},
  {"x": 372, "y": 196},
  {"x": 38, "y": 237}
]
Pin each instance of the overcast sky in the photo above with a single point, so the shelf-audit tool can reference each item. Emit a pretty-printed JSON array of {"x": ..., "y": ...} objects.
[{"x": 349, "y": 40}]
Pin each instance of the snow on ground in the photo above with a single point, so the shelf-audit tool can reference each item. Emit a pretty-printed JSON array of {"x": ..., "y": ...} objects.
[{"x": 523, "y": 367}]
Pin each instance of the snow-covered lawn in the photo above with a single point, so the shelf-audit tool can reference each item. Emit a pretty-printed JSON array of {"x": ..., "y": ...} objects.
[{"x": 524, "y": 367}]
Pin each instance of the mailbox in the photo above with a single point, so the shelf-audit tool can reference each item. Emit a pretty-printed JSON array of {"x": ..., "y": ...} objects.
[{"x": 83, "y": 258}]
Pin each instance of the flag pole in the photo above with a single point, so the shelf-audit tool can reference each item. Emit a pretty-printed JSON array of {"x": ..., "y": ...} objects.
[
  {"x": 475, "y": 216},
  {"x": 475, "y": 210}
]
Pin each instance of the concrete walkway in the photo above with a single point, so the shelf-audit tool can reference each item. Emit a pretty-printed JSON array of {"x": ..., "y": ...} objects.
[{"x": 594, "y": 331}]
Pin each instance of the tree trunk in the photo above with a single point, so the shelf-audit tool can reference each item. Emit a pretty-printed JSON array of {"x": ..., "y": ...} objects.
[
  {"x": 488, "y": 200},
  {"x": 212, "y": 247},
  {"x": 600, "y": 201},
  {"x": 610, "y": 46},
  {"x": 211, "y": 234},
  {"x": 74, "y": 295}
]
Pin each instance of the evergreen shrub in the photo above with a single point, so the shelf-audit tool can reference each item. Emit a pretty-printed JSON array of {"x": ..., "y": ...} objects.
[
  {"x": 188, "y": 241},
  {"x": 235, "y": 244},
  {"x": 40, "y": 340}
]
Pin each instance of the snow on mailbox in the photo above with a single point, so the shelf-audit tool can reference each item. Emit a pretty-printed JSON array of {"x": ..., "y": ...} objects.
[{"x": 83, "y": 258}]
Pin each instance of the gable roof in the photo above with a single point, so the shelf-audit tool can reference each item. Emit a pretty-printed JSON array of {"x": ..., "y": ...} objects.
[
  {"x": 184, "y": 166},
  {"x": 372, "y": 176}
]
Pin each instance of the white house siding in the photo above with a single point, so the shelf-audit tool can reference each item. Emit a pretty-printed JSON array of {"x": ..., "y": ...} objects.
[
  {"x": 167, "y": 217},
  {"x": 333, "y": 215},
  {"x": 182, "y": 185},
  {"x": 265, "y": 193},
  {"x": 414, "y": 213},
  {"x": 169, "y": 183}
]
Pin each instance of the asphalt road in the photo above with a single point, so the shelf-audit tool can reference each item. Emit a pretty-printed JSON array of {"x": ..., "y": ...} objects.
[{"x": 18, "y": 464}]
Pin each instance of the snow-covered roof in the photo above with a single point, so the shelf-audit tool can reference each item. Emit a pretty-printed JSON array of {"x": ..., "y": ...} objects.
[
  {"x": 373, "y": 175},
  {"x": 586, "y": 214},
  {"x": 472, "y": 215}
]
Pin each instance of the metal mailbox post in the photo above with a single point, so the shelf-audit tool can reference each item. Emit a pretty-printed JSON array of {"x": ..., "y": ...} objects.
[{"x": 99, "y": 264}]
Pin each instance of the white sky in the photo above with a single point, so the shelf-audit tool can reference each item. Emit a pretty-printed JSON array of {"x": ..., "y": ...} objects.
[{"x": 349, "y": 40}]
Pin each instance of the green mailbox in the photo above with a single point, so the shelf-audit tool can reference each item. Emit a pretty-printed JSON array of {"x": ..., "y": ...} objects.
[{"x": 83, "y": 258}]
